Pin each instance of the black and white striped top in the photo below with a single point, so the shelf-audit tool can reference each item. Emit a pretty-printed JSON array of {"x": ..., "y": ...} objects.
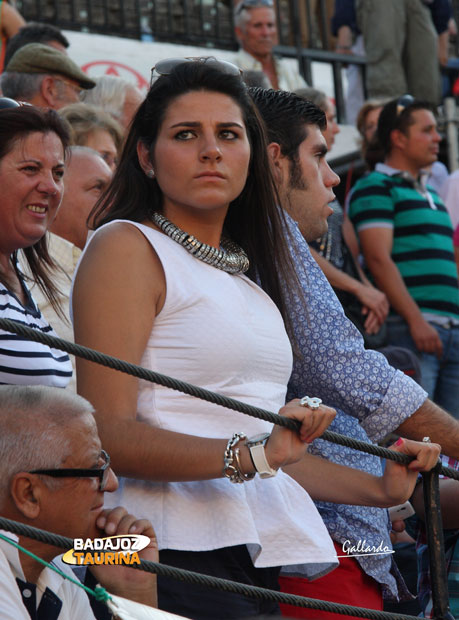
[{"x": 23, "y": 362}]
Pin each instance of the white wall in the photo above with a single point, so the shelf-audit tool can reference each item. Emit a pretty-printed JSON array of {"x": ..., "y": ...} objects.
[{"x": 132, "y": 59}]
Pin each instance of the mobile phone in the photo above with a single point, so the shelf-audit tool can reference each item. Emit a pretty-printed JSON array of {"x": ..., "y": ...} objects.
[{"x": 402, "y": 511}]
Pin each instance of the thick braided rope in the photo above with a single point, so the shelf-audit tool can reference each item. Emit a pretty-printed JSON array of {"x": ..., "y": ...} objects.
[
  {"x": 181, "y": 386},
  {"x": 212, "y": 582}
]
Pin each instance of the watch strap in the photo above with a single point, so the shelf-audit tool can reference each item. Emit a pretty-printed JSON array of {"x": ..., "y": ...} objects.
[{"x": 258, "y": 455}]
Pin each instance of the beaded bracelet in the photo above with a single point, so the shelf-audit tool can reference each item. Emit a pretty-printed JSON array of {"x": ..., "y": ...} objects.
[{"x": 231, "y": 460}]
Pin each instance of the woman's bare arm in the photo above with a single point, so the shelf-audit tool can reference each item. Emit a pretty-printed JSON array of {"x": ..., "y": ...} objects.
[
  {"x": 11, "y": 20},
  {"x": 119, "y": 289}
]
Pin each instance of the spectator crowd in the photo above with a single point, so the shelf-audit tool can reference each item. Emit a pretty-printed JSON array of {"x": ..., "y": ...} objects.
[{"x": 195, "y": 231}]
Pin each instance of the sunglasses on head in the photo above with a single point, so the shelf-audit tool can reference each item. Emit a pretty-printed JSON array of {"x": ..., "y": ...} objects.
[
  {"x": 166, "y": 66},
  {"x": 251, "y": 4},
  {"x": 404, "y": 102}
]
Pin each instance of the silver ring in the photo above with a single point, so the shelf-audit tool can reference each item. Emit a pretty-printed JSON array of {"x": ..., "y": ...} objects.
[
  {"x": 426, "y": 440},
  {"x": 311, "y": 403}
]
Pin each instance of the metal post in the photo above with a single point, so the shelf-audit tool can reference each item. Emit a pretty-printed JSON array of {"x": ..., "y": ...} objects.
[
  {"x": 434, "y": 532},
  {"x": 309, "y": 17},
  {"x": 324, "y": 25},
  {"x": 304, "y": 65},
  {"x": 339, "y": 91},
  {"x": 451, "y": 133}
]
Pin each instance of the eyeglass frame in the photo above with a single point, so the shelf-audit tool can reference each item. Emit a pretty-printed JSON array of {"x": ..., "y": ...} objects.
[
  {"x": 76, "y": 89},
  {"x": 223, "y": 65},
  {"x": 102, "y": 472}
]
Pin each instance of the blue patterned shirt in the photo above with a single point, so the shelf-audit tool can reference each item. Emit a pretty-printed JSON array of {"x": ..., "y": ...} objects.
[{"x": 371, "y": 398}]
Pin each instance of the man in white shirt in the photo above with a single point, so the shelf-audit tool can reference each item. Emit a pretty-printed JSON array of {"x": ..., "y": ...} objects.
[
  {"x": 256, "y": 30},
  {"x": 53, "y": 432}
]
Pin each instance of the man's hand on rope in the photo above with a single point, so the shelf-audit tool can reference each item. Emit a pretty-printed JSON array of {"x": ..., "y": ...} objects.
[
  {"x": 399, "y": 480},
  {"x": 136, "y": 585}
]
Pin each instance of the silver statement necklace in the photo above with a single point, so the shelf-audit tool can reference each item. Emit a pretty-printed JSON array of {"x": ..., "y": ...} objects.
[{"x": 229, "y": 257}]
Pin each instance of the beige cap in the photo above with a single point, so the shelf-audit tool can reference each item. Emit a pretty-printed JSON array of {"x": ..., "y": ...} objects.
[{"x": 39, "y": 58}]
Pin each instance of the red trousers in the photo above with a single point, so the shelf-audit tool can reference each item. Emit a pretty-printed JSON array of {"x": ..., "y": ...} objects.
[{"x": 347, "y": 584}]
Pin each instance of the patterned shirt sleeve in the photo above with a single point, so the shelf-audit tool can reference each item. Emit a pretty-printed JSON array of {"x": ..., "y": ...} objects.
[
  {"x": 371, "y": 204},
  {"x": 332, "y": 362}
]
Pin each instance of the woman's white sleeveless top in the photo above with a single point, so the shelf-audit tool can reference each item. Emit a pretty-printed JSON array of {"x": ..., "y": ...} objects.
[{"x": 223, "y": 333}]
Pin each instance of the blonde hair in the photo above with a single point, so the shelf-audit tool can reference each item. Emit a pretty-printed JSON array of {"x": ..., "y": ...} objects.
[{"x": 84, "y": 118}]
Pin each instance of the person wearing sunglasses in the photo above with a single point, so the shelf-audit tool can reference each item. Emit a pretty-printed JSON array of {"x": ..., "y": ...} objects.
[
  {"x": 53, "y": 476},
  {"x": 256, "y": 31},
  {"x": 190, "y": 211}
]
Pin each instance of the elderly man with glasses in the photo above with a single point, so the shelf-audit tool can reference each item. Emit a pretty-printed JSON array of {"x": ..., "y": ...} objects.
[
  {"x": 256, "y": 30},
  {"x": 53, "y": 475}
]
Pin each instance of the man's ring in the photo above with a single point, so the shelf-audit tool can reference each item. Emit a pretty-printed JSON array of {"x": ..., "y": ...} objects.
[
  {"x": 426, "y": 439},
  {"x": 311, "y": 403}
]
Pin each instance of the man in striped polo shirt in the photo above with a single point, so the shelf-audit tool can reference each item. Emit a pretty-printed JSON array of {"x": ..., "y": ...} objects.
[{"x": 405, "y": 234}]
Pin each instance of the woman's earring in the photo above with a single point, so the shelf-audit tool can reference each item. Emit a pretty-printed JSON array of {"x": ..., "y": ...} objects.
[{"x": 151, "y": 173}]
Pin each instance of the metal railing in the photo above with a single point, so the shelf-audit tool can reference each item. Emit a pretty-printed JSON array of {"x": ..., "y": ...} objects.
[
  {"x": 303, "y": 33},
  {"x": 431, "y": 487}
]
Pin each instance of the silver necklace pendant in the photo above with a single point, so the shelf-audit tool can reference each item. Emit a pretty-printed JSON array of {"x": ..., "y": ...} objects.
[{"x": 229, "y": 257}]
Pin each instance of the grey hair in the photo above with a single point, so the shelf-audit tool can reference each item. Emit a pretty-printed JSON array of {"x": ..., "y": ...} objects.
[
  {"x": 109, "y": 93},
  {"x": 21, "y": 86},
  {"x": 84, "y": 118},
  {"x": 316, "y": 96},
  {"x": 33, "y": 422},
  {"x": 241, "y": 17}
]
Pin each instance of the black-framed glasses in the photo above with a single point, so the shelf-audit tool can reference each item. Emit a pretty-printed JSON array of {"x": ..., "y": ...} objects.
[
  {"x": 251, "y": 4},
  {"x": 404, "y": 102},
  {"x": 167, "y": 65},
  {"x": 102, "y": 472}
]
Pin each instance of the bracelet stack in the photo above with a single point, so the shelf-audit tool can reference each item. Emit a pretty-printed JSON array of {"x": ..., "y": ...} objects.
[{"x": 232, "y": 464}]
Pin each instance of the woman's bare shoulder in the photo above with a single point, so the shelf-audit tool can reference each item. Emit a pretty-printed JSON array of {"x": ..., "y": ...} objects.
[
  {"x": 119, "y": 251},
  {"x": 120, "y": 239}
]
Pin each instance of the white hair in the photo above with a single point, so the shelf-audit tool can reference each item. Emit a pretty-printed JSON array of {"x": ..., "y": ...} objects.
[
  {"x": 33, "y": 423},
  {"x": 109, "y": 93},
  {"x": 242, "y": 16}
]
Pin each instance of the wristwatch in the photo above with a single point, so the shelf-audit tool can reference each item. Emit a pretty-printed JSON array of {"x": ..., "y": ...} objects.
[{"x": 256, "y": 445}]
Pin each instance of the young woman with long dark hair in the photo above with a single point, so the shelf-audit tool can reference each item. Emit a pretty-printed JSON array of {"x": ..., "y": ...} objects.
[{"x": 179, "y": 302}]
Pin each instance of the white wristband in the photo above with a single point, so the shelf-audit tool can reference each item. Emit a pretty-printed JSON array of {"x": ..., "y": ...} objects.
[{"x": 256, "y": 446}]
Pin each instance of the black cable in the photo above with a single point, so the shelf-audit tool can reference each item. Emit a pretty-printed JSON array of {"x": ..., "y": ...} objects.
[
  {"x": 187, "y": 388},
  {"x": 208, "y": 581}
]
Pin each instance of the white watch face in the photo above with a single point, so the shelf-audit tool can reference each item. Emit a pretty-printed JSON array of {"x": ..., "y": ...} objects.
[{"x": 262, "y": 438}]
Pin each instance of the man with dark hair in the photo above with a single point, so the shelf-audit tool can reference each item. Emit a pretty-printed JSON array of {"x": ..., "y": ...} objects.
[
  {"x": 371, "y": 398},
  {"x": 36, "y": 32},
  {"x": 406, "y": 237}
]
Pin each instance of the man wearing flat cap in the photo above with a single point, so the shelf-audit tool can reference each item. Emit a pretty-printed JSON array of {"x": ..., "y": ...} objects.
[{"x": 44, "y": 76}]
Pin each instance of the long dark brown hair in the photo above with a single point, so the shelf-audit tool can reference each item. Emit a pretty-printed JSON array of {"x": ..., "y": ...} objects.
[
  {"x": 254, "y": 219},
  {"x": 15, "y": 125}
]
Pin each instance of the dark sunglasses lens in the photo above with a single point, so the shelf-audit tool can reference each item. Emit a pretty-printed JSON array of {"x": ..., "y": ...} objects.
[
  {"x": 404, "y": 102},
  {"x": 166, "y": 66},
  {"x": 245, "y": 4}
]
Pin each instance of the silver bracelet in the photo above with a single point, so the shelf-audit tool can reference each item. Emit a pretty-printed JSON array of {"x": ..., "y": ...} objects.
[
  {"x": 231, "y": 467},
  {"x": 245, "y": 477}
]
